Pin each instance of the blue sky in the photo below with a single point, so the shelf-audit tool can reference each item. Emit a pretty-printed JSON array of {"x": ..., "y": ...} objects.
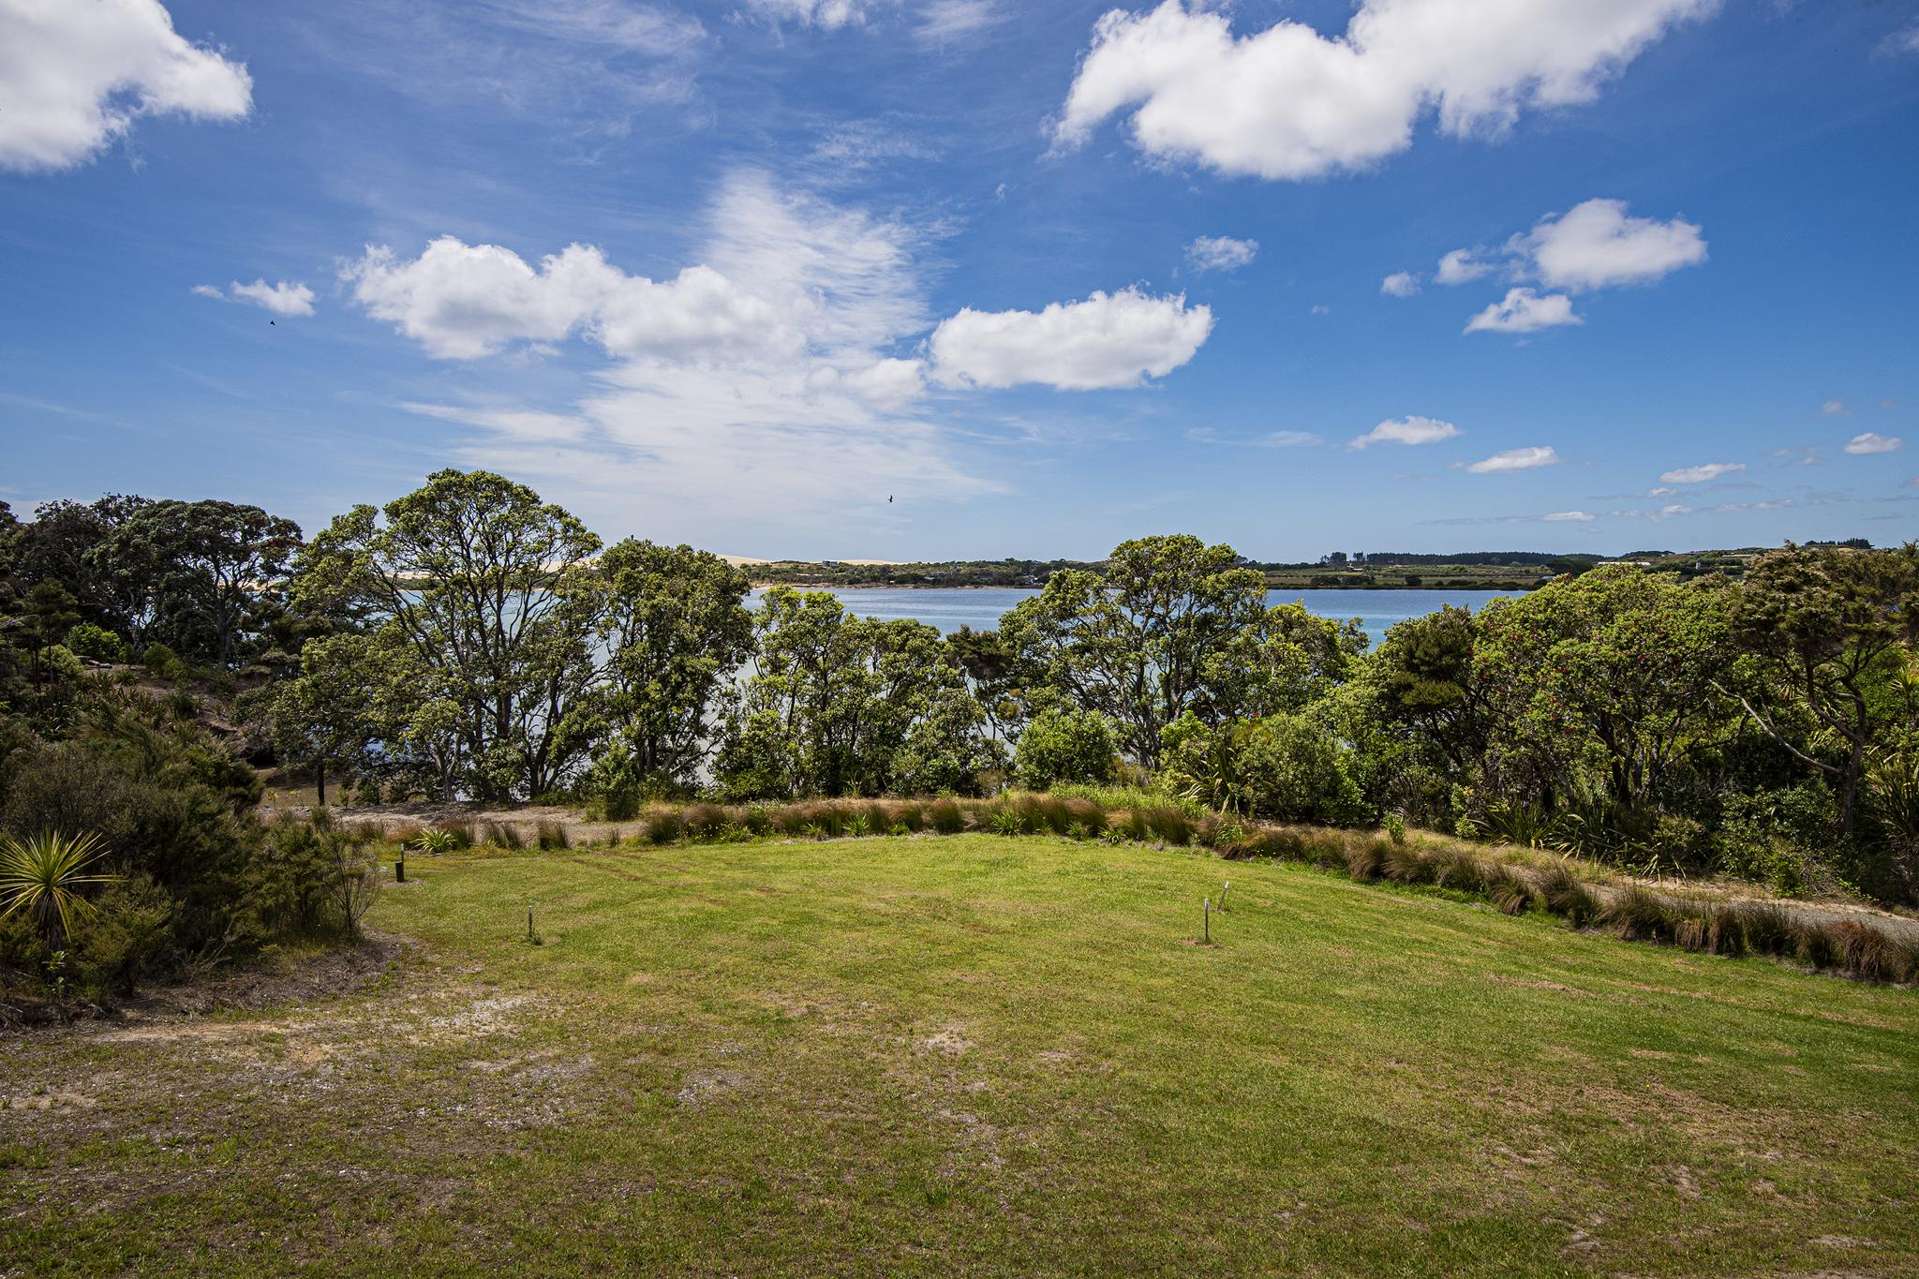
[{"x": 1045, "y": 275}]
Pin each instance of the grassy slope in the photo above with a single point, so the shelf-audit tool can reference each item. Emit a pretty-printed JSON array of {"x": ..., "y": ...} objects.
[{"x": 984, "y": 1055}]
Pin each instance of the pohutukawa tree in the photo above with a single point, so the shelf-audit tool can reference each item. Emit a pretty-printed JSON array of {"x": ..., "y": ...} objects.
[
  {"x": 844, "y": 705},
  {"x": 215, "y": 572},
  {"x": 675, "y": 627},
  {"x": 1138, "y": 642},
  {"x": 1829, "y": 633},
  {"x": 491, "y": 594}
]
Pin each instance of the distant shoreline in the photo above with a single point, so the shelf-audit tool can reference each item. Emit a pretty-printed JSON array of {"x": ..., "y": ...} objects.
[{"x": 977, "y": 586}]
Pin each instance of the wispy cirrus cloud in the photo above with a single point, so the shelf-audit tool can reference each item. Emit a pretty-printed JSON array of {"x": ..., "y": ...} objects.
[
  {"x": 1405, "y": 430},
  {"x": 1701, "y": 474},
  {"x": 285, "y": 298},
  {"x": 1221, "y": 253},
  {"x": 1523, "y": 459}
]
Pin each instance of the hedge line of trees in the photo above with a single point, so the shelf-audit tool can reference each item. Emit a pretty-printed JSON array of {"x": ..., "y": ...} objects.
[{"x": 470, "y": 641}]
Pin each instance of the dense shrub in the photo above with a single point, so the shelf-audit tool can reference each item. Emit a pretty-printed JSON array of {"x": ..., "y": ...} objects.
[
  {"x": 1282, "y": 767},
  {"x": 196, "y": 876},
  {"x": 96, "y": 642},
  {"x": 1066, "y": 746}
]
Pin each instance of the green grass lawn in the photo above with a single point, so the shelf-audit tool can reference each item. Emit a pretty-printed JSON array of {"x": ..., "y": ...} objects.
[{"x": 978, "y": 1055}]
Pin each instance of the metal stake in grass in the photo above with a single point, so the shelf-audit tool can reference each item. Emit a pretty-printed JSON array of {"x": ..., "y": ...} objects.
[
  {"x": 1222, "y": 896},
  {"x": 1206, "y": 920},
  {"x": 529, "y": 922},
  {"x": 399, "y": 867}
]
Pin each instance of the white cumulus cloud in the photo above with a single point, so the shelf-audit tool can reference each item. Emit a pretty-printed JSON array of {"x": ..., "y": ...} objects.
[
  {"x": 1524, "y": 311},
  {"x": 1221, "y": 253},
  {"x": 1400, "y": 284},
  {"x": 464, "y": 301},
  {"x": 1107, "y": 340},
  {"x": 1869, "y": 442},
  {"x": 1461, "y": 266},
  {"x": 1598, "y": 245},
  {"x": 1406, "y": 430},
  {"x": 1525, "y": 459},
  {"x": 1569, "y": 517},
  {"x": 1289, "y": 103},
  {"x": 77, "y": 74},
  {"x": 1701, "y": 474}
]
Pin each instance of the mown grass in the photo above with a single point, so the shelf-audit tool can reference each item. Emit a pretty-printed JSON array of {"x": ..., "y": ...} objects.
[
  {"x": 982, "y": 1055},
  {"x": 1583, "y": 893}
]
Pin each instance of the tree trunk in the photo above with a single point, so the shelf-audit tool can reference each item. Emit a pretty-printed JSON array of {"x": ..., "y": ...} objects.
[{"x": 319, "y": 779}]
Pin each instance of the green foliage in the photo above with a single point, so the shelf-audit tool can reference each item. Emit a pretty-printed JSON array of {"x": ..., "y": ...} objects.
[
  {"x": 163, "y": 662},
  {"x": 1063, "y": 745},
  {"x": 96, "y": 642},
  {"x": 1140, "y": 641},
  {"x": 209, "y": 577},
  {"x": 675, "y": 628},
  {"x": 842, "y": 705},
  {"x": 1283, "y": 767},
  {"x": 1827, "y": 631},
  {"x": 482, "y": 605}
]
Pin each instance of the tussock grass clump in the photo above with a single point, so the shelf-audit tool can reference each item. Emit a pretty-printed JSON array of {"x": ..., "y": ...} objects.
[
  {"x": 1712, "y": 927},
  {"x": 461, "y": 833},
  {"x": 1087, "y": 815},
  {"x": 666, "y": 826},
  {"x": 1638, "y": 915},
  {"x": 1568, "y": 896},
  {"x": 406, "y": 834},
  {"x": 1404, "y": 864},
  {"x": 705, "y": 821},
  {"x": 551, "y": 835},
  {"x": 1859, "y": 950},
  {"x": 1365, "y": 860},
  {"x": 1166, "y": 822},
  {"x": 1510, "y": 892},
  {"x": 1768, "y": 929},
  {"x": 945, "y": 817},
  {"x": 505, "y": 835},
  {"x": 1454, "y": 867}
]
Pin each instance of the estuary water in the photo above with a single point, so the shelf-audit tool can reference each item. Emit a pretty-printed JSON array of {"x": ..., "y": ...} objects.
[{"x": 980, "y": 607}]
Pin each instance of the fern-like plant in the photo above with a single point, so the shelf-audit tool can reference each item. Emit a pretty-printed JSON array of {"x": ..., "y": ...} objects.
[{"x": 45, "y": 875}]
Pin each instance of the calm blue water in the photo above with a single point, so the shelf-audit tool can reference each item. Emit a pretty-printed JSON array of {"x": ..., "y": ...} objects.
[{"x": 980, "y": 607}]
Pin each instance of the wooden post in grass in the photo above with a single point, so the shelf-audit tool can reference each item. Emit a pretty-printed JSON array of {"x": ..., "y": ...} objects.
[
  {"x": 529, "y": 921},
  {"x": 1206, "y": 920}
]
